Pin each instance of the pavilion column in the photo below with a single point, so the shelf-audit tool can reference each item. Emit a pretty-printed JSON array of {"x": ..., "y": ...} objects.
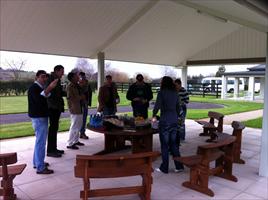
[
  {"x": 236, "y": 87},
  {"x": 263, "y": 169},
  {"x": 184, "y": 71},
  {"x": 101, "y": 65},
  {"x": 251, "y": 87},
  {"x": 224, "y": 87},
  {"x": 262, "y": 83}
]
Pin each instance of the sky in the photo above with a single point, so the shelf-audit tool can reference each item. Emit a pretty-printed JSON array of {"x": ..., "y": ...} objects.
[{"x": 35, "y": 62}]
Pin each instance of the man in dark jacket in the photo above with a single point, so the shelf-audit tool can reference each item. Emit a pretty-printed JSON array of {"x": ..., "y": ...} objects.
[
  {"x": 55, "y": 107},
  {"x": 87, "y": 91},
  {"x": 140, "y": 93},
  {"x": 38, "y": 112},
  {"x": 108, "y": 97}
]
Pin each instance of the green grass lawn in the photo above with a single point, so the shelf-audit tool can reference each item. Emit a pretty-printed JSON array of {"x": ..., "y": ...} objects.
[
  {"x": 254, "y": 123},
  {"x": 230, "y": 107},
  {"x": 19, "y": 104}
]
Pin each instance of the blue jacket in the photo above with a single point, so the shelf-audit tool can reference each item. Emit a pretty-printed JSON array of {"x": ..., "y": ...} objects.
[{"x": 167, "y": 102}]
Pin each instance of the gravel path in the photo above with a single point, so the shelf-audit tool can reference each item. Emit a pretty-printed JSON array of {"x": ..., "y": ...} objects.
[{"x": 23, "y": 117}]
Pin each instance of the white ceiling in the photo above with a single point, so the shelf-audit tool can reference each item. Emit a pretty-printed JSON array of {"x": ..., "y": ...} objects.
[{"x": 160, "y": 32}]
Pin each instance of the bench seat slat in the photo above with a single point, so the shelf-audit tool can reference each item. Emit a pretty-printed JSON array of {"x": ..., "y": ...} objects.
[
  {"x": 114, "y": 191},
  {"x": 14, "y": 169}
]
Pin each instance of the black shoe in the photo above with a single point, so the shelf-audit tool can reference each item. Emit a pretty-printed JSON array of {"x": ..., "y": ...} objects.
[
  {"x": 46, "y": 165},
  {"x": 83, "y": 136},
  {"x": 79, "y": 144},
  {"x": 74, "y": 147},
  {"x": 60, "y": 151},
  {"x": 54, "y": 154},
  {"x": 45, "y": 171}
]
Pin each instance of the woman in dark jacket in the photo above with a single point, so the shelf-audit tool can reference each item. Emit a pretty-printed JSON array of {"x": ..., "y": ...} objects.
[{"x": 167, "y": 102}]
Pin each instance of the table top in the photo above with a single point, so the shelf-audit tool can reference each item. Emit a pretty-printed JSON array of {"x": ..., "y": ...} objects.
[{"x": 125, "y": 131}]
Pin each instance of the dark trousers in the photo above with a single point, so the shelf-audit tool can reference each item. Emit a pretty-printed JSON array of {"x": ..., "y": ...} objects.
[
  {"x": 54, "y": 116},
  {"x": 140, "y": 110},
  {"x": 181, "y": 124},
  {"x": 85, "y": 113}
]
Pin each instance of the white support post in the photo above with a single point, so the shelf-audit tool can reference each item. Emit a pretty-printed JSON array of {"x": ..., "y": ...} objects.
[
  {"x": 100, "y": 69},
  {"x": 184, "y": 70},
  {"x": 236, "y": 87},
  {"x": 223, "y": 87},
  {"x": 251, "y": 88},
  {"x": 263, "y": 169},
  {"x": 262, "y": 83}
]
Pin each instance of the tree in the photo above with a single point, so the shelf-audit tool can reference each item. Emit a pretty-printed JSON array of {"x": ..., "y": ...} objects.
[
  {"x": 220, "y": 71},
  {"x": 85, "y": 66},
  {"x": 16, "y": 68},
  {"x": 169, "y": 71}
]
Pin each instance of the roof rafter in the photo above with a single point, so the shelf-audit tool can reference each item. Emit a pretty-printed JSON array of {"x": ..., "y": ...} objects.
[{"x": 223, "y": 15}]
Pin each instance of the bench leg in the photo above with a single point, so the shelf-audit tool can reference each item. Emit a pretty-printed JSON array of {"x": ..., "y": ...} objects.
[
  {"x": 8, "y": 190},
  {"x": 84, "y": 194},
  {"x": 147, "y": 183},
  {"x": 205, "y": 132},
  {"x": 227, "y": 164},
  {"x": 199, "y": 182}
]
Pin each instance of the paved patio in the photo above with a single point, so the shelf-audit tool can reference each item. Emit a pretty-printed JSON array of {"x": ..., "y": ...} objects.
[{"x": 62, "y": 185}]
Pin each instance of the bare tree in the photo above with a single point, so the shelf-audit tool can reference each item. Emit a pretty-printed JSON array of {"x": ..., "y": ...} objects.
[
  {"x": 16, "y": 67},
  {"x": 84, "y": 65},
  {"x": 169, "y": 71}
]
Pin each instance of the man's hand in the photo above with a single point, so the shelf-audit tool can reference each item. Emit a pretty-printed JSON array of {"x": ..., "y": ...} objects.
[
  {"x": 53, "y": 83},
  {"x": 136, "y": 99},
  {"x": 51, "y": 86}
]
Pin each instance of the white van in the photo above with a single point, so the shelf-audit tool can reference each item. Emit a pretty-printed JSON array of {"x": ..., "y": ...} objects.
[{"x": 209, "y": 82}]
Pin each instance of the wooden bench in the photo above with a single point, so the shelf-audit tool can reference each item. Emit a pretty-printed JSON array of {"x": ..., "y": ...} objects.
[
  {"x": 221, "y": 153},
  {"x": 237, "y": 132},
  {"x": 8, "y": 173},
  {"x": 110, "y": 166},
  {"x": 209, "y": 127}
]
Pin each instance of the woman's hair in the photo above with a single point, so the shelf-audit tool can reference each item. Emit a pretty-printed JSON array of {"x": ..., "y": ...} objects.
[{"x": 167, "y": 83}]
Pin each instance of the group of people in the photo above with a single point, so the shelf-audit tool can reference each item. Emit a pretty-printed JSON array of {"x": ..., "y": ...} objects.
[{"x": 45, "y": 105}]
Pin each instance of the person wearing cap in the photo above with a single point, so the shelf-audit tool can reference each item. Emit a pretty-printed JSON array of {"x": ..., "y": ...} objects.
[
  {"x": 38, "y": 112},
  {"x": 140, "y": 93},
  {"x": 74, "y": 99},
  {"x": 108, "y": 97},
  {"x": 55, "y": 108},
  {"x": 87, "y": 91}
]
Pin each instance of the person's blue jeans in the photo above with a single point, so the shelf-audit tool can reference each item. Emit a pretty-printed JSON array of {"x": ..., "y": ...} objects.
[
  {"x": 168, "y": 135},
  {"x": 40, "y": 126},
  {"x": 85, "y": 112},
  {"x": 182, "y": 117},
  {"x": 109, "y": 111}
]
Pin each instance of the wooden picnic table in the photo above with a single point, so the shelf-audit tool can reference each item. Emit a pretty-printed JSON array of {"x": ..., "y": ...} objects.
[{"x": 115, "y": 139}]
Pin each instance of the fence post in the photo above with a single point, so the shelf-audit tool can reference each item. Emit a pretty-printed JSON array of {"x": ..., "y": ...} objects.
[
  {"x": 203, "y": 87},
  {"x": 217, "y": 91}
]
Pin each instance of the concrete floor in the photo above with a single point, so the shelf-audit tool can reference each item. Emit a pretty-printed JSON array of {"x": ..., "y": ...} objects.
[{"x": 62, "y": 185}]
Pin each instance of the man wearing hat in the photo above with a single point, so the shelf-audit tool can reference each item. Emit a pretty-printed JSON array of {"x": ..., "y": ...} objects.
[
  {"x": 140, "y": 93},
  {"x": 38, "y": 112}
]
